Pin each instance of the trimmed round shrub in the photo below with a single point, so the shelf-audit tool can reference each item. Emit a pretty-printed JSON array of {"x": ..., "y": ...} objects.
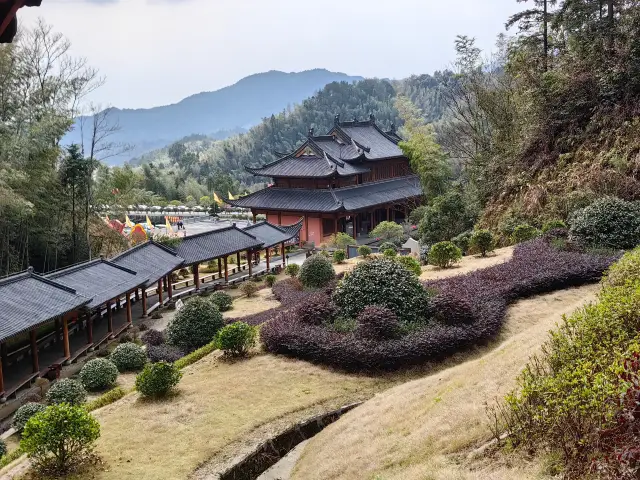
[
  {"x": 153, "y": 337},
  {"x": 625, "y": 270},
  {"x": 270, "y": 280},
  {"x": 128, "y": 357},
  {"x": 237, "y": 339},
  {"x": 157, "y": 379},
  {"x": 444, "y": 254},
  {"x": 68, "y": 391},
  {"x": 24, "y": 413},
  {"x": 410, "y": 264},
  {"x": 316, "y": 272},
  {"x": 462, "y": 241},
  {"x": 377, "y": 323},
  {"x": 524, "y": 233},
  {"x": 293, "y": 269},
  {"x": 607, "y": 223},
  {"x": 316, "y": 310},
  {"x": 59, "y": 438},
  {"x": 388, "y": 245},
  {"x": 385, "y": 283},
  {"x": 552, "y": 225},
  {"x": 98, "y": 374},
  {"x": 390, "y": 253},
  {"x": 364, "y": 250},
  {"x": 339, "y": 256},
  {"x": 221, "y": 300},
  {"x": 195, "y": 325},
  {"x": 164, "y": 353},
  {"x": 249, "y": 289},
  {"x": 482, "y": 241}
]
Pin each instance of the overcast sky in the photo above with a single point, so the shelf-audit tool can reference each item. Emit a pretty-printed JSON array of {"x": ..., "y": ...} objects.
[{"x": 155, "y": 52}]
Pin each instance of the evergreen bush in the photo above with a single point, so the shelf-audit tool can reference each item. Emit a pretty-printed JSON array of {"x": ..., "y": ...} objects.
[
  {"x": 389, "y": 232},
  {"x": 66, "y": 390},
  {"x": 482, "y": 241},
  {"x": 128, "y": 357},
  {"x": 339, "y": 256},
  {"x": 524, "y": 233},
  {"x": 417, "y": 214},
  {"x": 270, "y": 280},
  {"x": 59, "y": 438},
  {"x": 385, "y": 283},
  {"x": 552, "y": 225},
  {"x": 607, "y": 223},
  {"x": 462, "y": 241},
  {"x": 157, "y": 379},
  {"x": 378, "y": 323},
  {"x": 316, "y": 272},
  {"x": 250, "y": 289},
  {"x": 364, "y": 251},
  {"x": 410, "y": 263},
  {"x": 24, "y": 413},
  {"x": 390, "y": 253},
  {"x": 386, "y": 246},
  {"x": 222, "y": 300},
  {"x": 98, "y": 374},
  {"x": 236, "y": 339},
  {"x": 293, "y": 269},
  {"x": 195, "y": 325},
  {"x": 444, "y": 254}
]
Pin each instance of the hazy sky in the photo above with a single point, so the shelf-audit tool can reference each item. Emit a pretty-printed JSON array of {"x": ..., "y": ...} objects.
[{"x": 155, "y": 52}]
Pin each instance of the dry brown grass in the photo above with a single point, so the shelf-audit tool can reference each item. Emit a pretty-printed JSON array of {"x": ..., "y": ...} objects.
[
  {"x": 243, "y": 306},
  {"x": 467, "y": 264},
  {"x": 425, "y": 428}
]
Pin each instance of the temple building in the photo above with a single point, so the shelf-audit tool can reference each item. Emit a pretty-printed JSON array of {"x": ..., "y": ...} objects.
[{"x": 348, "y": 180}]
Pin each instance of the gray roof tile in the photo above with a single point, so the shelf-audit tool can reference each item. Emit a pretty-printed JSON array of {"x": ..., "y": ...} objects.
[
  {"x": 216, "y": 243},
  {"x": 150, "y": 259},
  {"x": 28, "y": 300},
  {"x": 99, "y": 280},
  {"x": 271, "y": 235}
]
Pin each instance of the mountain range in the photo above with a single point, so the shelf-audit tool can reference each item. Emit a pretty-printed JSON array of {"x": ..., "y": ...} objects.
[{"x": 217, "y": 114}]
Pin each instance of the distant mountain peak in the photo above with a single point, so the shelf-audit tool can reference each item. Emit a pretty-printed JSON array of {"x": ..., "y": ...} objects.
[{"x": 241, "y": 104}]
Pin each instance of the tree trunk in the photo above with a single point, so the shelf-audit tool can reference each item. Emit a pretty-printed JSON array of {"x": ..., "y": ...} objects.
[{"x": 545, "y": 39}]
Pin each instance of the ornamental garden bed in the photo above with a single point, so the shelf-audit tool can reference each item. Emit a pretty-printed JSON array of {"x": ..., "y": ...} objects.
[{"x": 458, "y": 312}]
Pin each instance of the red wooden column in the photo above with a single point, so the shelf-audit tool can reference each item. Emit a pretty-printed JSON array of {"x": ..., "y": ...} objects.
[
  {"x": 267, "y": 257},
  {"x": 34, "y": 351},
  {"x": 355, "y": 227},
  {"x": 254, "y": 218},
  {"x": 219, "y": 268},
  {"x": 137, "y": 295},
  {"x": 110, "y": 315},
  {"x": 65, "y": 336},
  {"x": 160, "y": 291},
  {"x": 169, "y": 287},
  {"x": 196, "y": 275},
  {"x": 306, "y": 228},
  {"x": 238, "y": 260},
  {"x": 388, "y": 214},
  {"x": 129, "y": 319},
  {"x": 249, "y": 256},
  {"x": 284, "y": 256},
  {"x": 226, "y": 270},
  {"x": 144, "y": 302}
]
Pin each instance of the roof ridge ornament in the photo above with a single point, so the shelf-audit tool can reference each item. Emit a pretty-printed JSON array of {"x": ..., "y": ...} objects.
[
  {"x": 372, "y": 118},
  {"x": 311, "y": 130},
  {"x": 336, "y": 119},
  {"x": 393, "y": 127}
]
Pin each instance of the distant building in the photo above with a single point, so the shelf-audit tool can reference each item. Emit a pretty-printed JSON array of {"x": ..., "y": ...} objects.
[{"x": 348, "y": 180}]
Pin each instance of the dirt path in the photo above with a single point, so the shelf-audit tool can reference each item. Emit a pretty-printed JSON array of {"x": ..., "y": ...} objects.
[{"x": 426, "y": 427}]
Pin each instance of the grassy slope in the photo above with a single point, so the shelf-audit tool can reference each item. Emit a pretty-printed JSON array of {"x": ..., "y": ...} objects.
[{"x": 426, "y": 428}]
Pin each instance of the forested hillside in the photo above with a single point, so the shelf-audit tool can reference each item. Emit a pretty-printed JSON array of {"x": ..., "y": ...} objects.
[{"x": 217, "y": 113}]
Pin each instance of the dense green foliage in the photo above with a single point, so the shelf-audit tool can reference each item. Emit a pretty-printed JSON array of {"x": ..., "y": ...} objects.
[
  {"x": 342, "y": 240},
  {"x": 388, "y": 232},
  {"x": 552, "y": 225},
  {"x": 106, "y": 398},
  {"x": 447, "y": 216},
  {"x": 98, "y": 374},
  {"x": 569, "y": 393},
  {"x": 364, "y": 250},
  {"x": 384, "y": 283},
  {"x": 607, "y": 223},
  {"x": 24, "y": 413},
  {"x": 221, "y": 300},
  {"x": 388, "y": 246},
  {"x": 128, "y": 357},
  {"x": 316, "y": 272},
  {"x": 293, "y": 269},
  {"x": 482, "y": 241},
  {"x": 410, "y": 263},
  {"x": 157, "y": 379},
  {"x": 270, "y": 280},
  {"x": 444, "y": 254},
  {"x": 59, "y": 438},
  {"x": 339, "y": 256},
  {"x": 236, "y": 339},
  {"x": 195, "y": 325},
  {"x": 66, "y": 390},
  {"x": 249, "y": 288},
  {"x": 523, "y": 233},
  {"x": 463, "y": 241}
]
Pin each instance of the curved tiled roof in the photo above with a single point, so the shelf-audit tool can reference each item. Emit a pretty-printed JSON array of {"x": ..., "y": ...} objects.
[
  {"x": 332, "y": 200},
  {"x": 150, "y": 259},
  {"x": 312, "y": 166},
  {"x": 99, "y": 280},
  {"x": 28, "y": 300},
  {"x": 216, "y": 243},
  {"x": 271, "y": 235}
]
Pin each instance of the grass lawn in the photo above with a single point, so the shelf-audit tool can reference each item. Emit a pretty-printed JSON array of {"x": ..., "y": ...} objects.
[{"x": 425, "y": 429}]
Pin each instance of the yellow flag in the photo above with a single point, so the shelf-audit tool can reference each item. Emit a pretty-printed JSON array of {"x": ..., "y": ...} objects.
[
  {"x": 217, "y": 199},
  {"x": 128, "y": 222},
  {"x": 230, "y": 196},
  {"x": 169, "y": 227},
  {"x": 149, "y": 224}
]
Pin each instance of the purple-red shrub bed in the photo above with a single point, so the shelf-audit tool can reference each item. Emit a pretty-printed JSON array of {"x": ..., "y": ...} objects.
[{"x": 465, "y": 310}]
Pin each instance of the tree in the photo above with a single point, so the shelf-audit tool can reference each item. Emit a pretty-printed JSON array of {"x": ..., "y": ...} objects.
[
  {"x": 388, "y": 232},
  {"x": 530, "y": 21}
]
